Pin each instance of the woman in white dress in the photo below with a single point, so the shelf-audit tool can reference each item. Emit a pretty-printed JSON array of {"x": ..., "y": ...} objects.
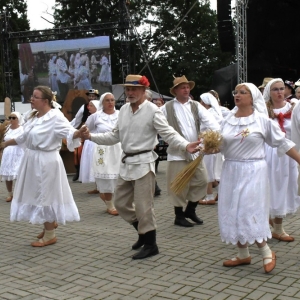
[
  {"x": 105, "y": 75},
  {"x": 42, "y": 193},
  {"x": 106, "y": 159},
  {"x": 81, "y": 78},
  {"x": 212, "y": 162},
  {"x": 244, "y": 186},
  {"x": 12, "y": 156},
  {"x": 86, "y": 174},
  {"x": 284, "y": 196}
]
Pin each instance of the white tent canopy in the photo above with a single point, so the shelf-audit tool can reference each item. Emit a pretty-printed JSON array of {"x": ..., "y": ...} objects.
[{"x": 118, "y": 92}]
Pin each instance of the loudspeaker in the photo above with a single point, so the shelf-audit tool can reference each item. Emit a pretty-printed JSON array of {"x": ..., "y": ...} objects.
[{"x": 225, "y": 28}]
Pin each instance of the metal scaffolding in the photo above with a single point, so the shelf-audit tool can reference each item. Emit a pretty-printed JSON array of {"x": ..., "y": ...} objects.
[
  {"x": 72, "y": 32},
  {"x": 241, "y": 39}
]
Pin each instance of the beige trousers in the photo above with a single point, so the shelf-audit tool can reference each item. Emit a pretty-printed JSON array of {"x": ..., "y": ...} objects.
[
  {"x": 195, "y": 189},
  {"x": 134, "y": 201}
]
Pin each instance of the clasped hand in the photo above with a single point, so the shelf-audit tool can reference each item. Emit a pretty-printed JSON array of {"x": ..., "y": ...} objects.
[{"x": 84, "y": 132}]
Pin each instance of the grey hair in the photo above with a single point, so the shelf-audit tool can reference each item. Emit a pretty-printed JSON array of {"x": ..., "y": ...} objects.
[{"x": 148, "y": 94}]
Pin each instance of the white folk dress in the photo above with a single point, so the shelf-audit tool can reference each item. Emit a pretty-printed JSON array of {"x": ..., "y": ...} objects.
[
  {"x": 283, "y": 176},
  {"x": 243, "y": 207},
  {"x": 213, "y": 162},
  {"x": 86, "y": 174},
  {"x": 106, "y": 159},
  {"x": 42, "y": 192},
  {"x": 12, "y": 156}
]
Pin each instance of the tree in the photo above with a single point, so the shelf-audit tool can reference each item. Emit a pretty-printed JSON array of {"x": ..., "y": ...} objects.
[
  {"x": 16, "y": 11},
  {"x": 192, "y": 49}
]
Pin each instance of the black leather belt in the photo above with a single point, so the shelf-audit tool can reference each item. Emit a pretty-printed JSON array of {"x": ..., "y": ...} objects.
[{"x": 133, "y": 154}]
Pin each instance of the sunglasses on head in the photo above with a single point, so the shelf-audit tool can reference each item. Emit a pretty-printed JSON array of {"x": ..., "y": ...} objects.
[{"x": 12, "y": 118}]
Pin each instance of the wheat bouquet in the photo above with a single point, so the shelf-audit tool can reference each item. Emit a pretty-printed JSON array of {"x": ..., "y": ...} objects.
[{"x": 211, "y": 143}]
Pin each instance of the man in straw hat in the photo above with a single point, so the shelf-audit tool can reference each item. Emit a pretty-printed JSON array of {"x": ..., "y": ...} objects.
[
  {"x": 186, "y": 116},
  {"x": 138, "y": 124}
]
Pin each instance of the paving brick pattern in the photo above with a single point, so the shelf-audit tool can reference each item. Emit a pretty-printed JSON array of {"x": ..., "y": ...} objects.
[{"x": 92, "y": 258}]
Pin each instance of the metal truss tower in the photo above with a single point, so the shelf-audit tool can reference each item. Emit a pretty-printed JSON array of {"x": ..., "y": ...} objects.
[
  {"x": 6, "y": 57},
  {"x": 241, "y": 40}
]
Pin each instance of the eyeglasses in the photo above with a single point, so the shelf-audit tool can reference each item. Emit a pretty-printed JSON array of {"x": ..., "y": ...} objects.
[
  {"x": 277, "y": 89},
  {"x": 242, "y": 92},
  {"x": 12, "y": 118},
  {"x": 35, "y": 97}
]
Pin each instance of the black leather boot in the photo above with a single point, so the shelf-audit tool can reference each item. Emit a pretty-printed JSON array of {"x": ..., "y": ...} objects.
[
  {"x": 157, "y": 190},
  {"x": 141, "y": 240},
  {"x": 76, "y": 176},
  {"x": 180, "y": 219},
  {"x": 190, "y": 212},
  {"x": 150, "y": 248}
]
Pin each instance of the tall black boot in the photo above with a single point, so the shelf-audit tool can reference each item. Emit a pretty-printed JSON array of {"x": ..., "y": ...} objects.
[
  {"x": 141, "y": 241},
  {"x": 180, "y": 219},
  {"x": 76, "y": 176},
  {"x": 150, "y": 248},
  {"x": 157, "y": 190},
  {"x": 190, "y": 212}
]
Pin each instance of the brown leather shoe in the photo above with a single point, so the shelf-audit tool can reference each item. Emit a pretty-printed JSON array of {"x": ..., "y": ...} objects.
[
  {"x": 93, "y": 192},
  {"x": 271, "y": 265},
  {"x": 9, "y": 198},
  {"x": 237, "y": 262},
  {"x": 41, "y": 235},
  {"x": 207, "y": 202},
  {"x": 42, "y": 243},
  {"x": 282, "y": 237}
]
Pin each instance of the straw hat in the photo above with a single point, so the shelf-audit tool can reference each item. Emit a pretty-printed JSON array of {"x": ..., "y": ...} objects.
[
  {"x": 82, "y": 51},
  {"x": 136, "y": 80},
  {"x": 61, "y": 53},
  {"x": 179, "y": 80},
  {"x": 265, "y": 81},
  {"x": 92, "y": 91}
]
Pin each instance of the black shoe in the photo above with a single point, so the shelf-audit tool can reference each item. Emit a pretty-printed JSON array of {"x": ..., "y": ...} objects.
[
  {"x": 76, "y": 176},
  {"x": 193, "y": 217},
  {"x": 139, "y": 243},
  {"x": 190, "y": 212},
  {"x": 182, "y": 222},
  {"x": 146, "y": 251}
]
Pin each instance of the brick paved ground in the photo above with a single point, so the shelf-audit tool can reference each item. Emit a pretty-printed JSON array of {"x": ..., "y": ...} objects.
[{"x": 92, "y": 259}]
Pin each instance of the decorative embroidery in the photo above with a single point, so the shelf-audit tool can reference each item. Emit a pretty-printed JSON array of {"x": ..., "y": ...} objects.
[
  {"x": 100, "y": 161},
  {"x": 244, "y": 133},
  {"x": 101, "y": 151}
]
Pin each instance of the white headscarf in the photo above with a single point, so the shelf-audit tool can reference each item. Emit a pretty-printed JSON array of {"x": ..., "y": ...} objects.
[
  {"x": 258, "y": 100},
  {"x": 19, "y": 116},
  {"x": 101, "y": 100},
  {"x": 96, "y": 104},
  {"x": 209, "y": 99},
  {"x": 267, "y": 92}
]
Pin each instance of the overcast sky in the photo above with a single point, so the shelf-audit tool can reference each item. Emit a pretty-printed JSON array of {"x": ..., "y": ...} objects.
[{"x": 38, "y": 8}]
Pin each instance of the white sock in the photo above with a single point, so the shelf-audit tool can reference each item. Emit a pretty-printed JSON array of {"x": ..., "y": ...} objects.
[
  {"x": 266, "y": 252},
  {"x": 10, "y": 194},
  {"x": 49, "y": 235},
  {"x": 243, "y": 253},
  {"x": 109, "y": 204},
  {"x": 278, "y": 228},
  {"x": 209, "y": 197}
]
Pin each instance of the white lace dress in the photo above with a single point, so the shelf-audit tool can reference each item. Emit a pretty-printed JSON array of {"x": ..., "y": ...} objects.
[
  {"x": 42, "y": 192},
  {"x": 284, "y": 196},
  {"x": 106, "y": 159},
  {"x": 244, "y": 192},
  {"x": 12, "y": 156}
]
